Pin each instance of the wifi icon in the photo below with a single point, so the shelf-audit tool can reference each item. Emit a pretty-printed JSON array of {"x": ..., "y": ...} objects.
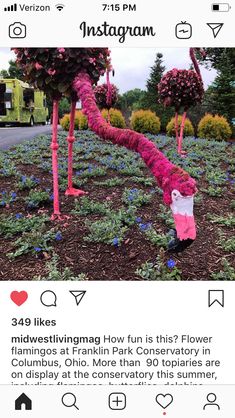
[{"x": 60, "y": 7}]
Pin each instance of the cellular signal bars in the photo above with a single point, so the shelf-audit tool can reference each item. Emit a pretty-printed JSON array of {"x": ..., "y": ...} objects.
[{"x": 12, "y": 8}]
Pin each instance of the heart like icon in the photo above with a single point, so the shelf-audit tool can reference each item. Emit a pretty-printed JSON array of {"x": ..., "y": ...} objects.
[
  {"x": 164, "y": 400},
  {"x": 19, "y": 297}
]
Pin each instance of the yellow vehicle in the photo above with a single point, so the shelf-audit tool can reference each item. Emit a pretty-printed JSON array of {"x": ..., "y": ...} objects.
[{"x": 21, "y": 104}]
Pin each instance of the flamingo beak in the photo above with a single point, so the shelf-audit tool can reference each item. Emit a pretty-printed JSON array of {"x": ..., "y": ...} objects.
[{"x": 185, "y": 234}]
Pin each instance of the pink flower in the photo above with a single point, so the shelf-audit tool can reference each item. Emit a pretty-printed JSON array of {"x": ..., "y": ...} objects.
[
  {"x": 61, "y": 50},
  {"x": 51, "y": 71},
  {"x": 38, "y": 66}
]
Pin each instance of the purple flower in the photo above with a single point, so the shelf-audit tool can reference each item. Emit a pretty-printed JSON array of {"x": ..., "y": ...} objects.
[
  {"x": 58, "y": 236},
  {"x": 19, "y": 216},
  {"x": 170, "y": 264},
  {"x": 144, "y": 227},
  {"x": 37, "y": 249},
  {"x": 13, "y": 195},
  {"x": 138, "y": 220},
  {"x": 115, "y": 242}
]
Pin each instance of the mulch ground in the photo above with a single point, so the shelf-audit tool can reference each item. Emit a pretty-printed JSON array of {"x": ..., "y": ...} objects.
[{"x": 105, "y": 262}]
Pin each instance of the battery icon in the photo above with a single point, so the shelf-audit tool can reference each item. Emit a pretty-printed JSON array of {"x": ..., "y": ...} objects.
[{"x": 221, "y": 7}]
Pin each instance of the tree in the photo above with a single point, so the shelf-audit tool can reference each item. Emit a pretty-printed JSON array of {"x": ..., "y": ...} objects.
[
  {"x": 131, "y": 100},
  {"x": 156, "y": 74},
  {"x": 4, "y": 74},
  {"x": 13, "y": 71},
  {"x": 64, "y": 107},
  {"x": 218, "y": 58},
  {"x": 151, "y": 98},
  {"x": 220, "y": 96}
]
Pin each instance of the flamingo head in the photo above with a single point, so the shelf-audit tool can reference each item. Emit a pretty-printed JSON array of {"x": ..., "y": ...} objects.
[
  {"x": 179, "y": 191},
  {"x": 185, "y": 232}
]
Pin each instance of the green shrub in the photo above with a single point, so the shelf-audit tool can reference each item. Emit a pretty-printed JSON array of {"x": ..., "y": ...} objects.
[
  {"x": 136, "y": 197},
  {"x": 214, "y": 127},
  {"x": 55, "y": 272},
  {"x": 188, "y": 127},
  {"x": 226, "y": 273},
  {"x": 80, "y": 121},
  {"x": 34, "y": 242},
  {"x": 116, "y": 117},
  {"x": 14, "y": 225},
  {"x": 159, "y": 269},
  {"x": 86, "y": 206},
  {"x": 145, "y": 121},
  {"x": 35, "y": 199}
]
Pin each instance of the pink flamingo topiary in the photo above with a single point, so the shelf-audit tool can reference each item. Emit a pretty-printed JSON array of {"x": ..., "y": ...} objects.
[
  {"x": 178, "y": 187},
  {"x": 73, "y": 72},
  {"x": 106, "y": 94},
  {"x": 53, "y": 70},
  {"x": 101, "y": 96},
  {"x": 182, "y": 88}
]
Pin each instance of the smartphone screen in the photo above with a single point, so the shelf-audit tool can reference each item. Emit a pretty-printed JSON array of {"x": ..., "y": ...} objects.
[{"x": 117, "y": 209}]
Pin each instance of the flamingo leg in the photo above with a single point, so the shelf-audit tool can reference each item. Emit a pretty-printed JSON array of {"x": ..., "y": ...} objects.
[
  {"x": 181, "y": 134},
  {"x": 109, "y": 96},
  {"x": 71, "y": 191},
  {"x": 54, "y": 148},
  {"x": 109, "y": 120},
  {"x": 176, "y": 128}
]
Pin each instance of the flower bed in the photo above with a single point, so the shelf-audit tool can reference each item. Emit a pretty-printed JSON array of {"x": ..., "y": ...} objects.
[{"x": 119, "y": 230}]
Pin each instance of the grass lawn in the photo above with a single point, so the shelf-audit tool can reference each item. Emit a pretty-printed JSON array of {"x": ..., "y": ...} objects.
[{"x": 119, "y": 230}]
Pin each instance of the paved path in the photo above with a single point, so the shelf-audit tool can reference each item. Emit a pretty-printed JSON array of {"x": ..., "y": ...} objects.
[{"x": 13, "y": 136}]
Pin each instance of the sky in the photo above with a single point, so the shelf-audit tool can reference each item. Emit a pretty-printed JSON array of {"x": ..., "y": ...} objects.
[{"x": 132, "y": 65}]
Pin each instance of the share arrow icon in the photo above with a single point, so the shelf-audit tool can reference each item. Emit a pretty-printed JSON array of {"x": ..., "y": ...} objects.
[
  {"x": 216, "y": 28},
  {"x": 78, "y": 294}
]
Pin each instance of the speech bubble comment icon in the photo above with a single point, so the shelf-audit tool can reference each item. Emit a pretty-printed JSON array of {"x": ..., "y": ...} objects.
[{"x": 48, "y": 298}]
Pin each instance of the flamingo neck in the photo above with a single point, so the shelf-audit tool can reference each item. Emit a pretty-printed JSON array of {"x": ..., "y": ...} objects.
[
  {"x": 168, "y": 176},
  {"x": 195, "y": 63},
  {"x": 109, "y": 92}
]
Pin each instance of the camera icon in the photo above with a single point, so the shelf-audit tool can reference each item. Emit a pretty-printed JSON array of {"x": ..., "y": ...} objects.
[{"x": 17, "y": 30}]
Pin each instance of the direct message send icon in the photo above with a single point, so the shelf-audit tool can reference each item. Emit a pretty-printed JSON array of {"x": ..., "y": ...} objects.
[
  {"x": 78, "y": 294},
  {"x": 216, "y": 297},
  {"x": 216, "y": 28}
]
